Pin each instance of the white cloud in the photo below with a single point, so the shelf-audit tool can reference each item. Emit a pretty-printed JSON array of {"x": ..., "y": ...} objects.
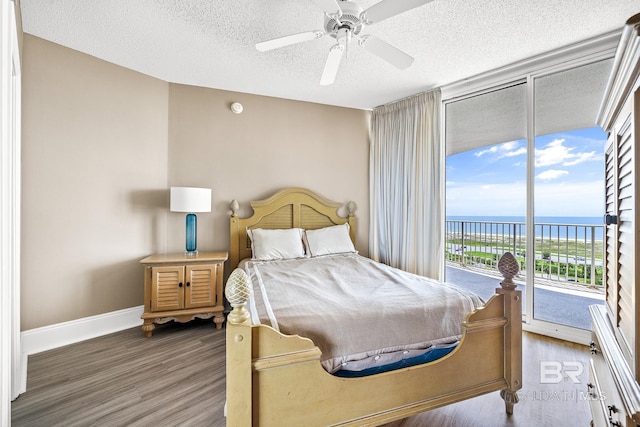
[
  {"x": 583, "y": 157},
  {"x": 493, "y": 149},
  {"x": 551, "y": 174},
  {"x": 518, "y": 152},
  {"x": 508, "y": 149},
  {"x": 556, "y": 153},
  {"x": 507, "y": 146}
]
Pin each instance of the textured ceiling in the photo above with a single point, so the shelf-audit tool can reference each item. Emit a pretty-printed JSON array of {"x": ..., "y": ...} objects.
[{"x": 211, "y": 43}]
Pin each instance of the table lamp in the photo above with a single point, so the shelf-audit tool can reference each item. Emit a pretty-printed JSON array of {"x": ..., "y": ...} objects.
[{"x": 190, "y": 200}]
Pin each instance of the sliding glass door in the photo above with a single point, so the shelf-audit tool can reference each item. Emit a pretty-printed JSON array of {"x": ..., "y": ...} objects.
[
  {"x": 525, "y": 174},
  {"x": 486, "y": 184},
  {"x": 568, "y": 200}
]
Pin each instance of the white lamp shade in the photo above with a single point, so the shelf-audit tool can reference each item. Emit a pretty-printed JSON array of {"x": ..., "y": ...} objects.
[{"x": 190, "y": 199}]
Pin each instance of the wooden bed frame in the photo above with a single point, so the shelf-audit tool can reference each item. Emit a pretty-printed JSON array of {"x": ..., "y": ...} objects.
[{"x": 277, "y": 380}]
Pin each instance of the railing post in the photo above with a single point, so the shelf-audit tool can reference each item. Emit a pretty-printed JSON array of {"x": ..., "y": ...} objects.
[
  {"x": 593, "y": 256},
  {"x": 462, "y": 245}
]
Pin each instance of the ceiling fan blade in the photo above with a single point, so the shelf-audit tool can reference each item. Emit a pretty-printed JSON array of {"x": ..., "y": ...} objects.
[
  {"x": 289, "y": 40},
  {"x": 388, "y": 8},
  {"x": 332, "y": 64},
  {"x": 384, "y": 50},
  {"x": 329, "y": 7}
]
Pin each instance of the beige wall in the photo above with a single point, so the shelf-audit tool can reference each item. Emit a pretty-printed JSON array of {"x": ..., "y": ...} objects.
[
  {"x": 273, "y": 144},
  {"x": 94, "y": 177},
  {"x": 101, "y": 146}
]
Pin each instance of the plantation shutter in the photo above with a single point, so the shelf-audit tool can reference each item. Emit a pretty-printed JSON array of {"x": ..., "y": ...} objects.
[
  {"x": 621, "y": 239},
  {"x": 610, "y": 237}
]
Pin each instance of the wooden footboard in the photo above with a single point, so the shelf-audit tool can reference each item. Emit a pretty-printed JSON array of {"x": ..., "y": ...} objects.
[{"x": 277, "y": 380}]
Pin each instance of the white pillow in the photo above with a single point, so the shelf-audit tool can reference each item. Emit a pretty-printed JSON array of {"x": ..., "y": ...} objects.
[
  {"x": 329, "y": 240},
  {"x": 269, "y": 245}
]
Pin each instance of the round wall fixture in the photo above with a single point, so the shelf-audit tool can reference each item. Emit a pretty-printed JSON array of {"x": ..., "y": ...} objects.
[{"x": 236, "y": 107}]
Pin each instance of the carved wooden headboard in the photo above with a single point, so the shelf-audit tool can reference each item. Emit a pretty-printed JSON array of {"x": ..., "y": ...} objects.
[{"x": 288, "y": 208}]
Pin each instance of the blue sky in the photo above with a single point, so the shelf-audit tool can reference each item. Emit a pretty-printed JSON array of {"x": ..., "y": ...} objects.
[{"x": 569, "y": 177}]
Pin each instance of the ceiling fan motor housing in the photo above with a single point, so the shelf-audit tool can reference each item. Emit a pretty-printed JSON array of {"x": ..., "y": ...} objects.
[{"x": 350, "y": 19}]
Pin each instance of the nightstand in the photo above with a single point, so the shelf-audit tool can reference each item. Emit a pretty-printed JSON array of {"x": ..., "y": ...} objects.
[{"x": 181, "y": 288}]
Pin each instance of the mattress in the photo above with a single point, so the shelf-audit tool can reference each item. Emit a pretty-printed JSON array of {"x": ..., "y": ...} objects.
[{"x": 360, "y": 313}]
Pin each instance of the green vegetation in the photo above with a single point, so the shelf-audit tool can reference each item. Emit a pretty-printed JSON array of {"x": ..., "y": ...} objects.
[{"x": 562, "y": 260}]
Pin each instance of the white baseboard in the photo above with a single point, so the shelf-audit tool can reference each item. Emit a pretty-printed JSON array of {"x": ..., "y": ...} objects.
[{"x": 61, "y": 334}]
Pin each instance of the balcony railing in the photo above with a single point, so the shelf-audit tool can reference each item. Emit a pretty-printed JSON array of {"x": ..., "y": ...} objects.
[{"x": 564, "y": 253}]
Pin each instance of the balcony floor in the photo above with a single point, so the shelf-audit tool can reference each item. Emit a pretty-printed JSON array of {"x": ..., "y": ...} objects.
[{"x": 565, "y": 305}]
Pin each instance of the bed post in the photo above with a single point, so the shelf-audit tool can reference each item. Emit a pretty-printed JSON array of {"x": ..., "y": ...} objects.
[
  {"x": 508, "y": 266},
  {"x": 351, "y": 220},
  {"x": 234, "y": 244},
  {"x": 239, "y": 372}
]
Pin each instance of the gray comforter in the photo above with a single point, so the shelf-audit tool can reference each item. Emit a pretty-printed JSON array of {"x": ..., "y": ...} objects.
[{"x": 359, "y": 312}]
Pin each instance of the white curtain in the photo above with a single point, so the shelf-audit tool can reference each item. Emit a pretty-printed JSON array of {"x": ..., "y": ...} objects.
[{"x": 407, "y": 185}]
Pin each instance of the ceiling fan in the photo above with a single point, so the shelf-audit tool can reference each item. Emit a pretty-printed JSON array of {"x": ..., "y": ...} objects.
[{"x": 344, "y": 20}]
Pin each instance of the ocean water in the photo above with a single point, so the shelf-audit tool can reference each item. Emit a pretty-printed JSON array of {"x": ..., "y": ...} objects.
[{"x": 571, "y": 227}]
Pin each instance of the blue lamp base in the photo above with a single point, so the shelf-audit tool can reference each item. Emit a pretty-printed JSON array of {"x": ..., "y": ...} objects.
[{"x": 191, "y": 233}]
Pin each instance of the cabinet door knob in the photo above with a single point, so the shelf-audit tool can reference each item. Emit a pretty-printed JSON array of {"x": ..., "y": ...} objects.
[
  {"x": 180, "y": 284},
  {"x": 188, "y": 283}
]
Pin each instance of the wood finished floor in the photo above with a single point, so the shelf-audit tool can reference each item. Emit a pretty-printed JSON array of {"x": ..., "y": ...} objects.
[{"x": 177, "y": 378}]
